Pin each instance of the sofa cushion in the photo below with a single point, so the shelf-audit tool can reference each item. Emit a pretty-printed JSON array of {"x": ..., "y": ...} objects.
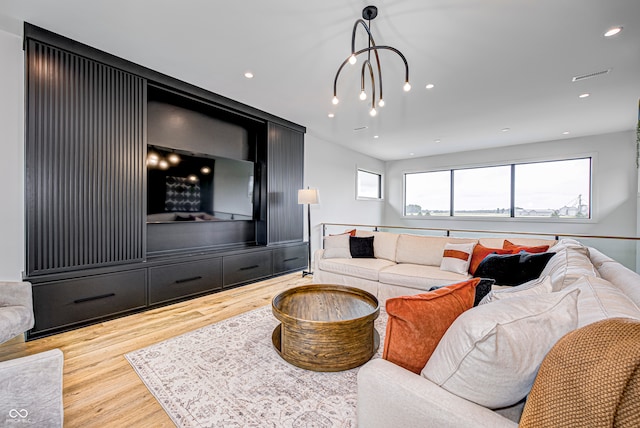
[
  {"x": 361, "y": 268},
  {"x": 456, "y": 257},
  {"x": 416, "y": 323},
  {"x": 479, "y": 254},
  {"x": 420, "y": 277},
  {"x": 599, "y": 299},
  {"x": 567, "y": 265},
  {"x": 384, "y": 243},
  {"x": 534, "y": 287},
  {"x": 361, "y": 248},
  {"x": 490, "y": 354},
  {"x": 565, "y": 243},
  {"x": 620, "y": 276},
  {"x": 337, "y": 246},
  {"x": 424, "y": 250},
  {"x": 508, "y": 245},
  {"x": 512, "y": 269}
]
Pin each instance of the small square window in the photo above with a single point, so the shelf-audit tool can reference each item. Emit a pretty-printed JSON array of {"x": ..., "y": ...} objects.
[{"x": 369, "y": 185}]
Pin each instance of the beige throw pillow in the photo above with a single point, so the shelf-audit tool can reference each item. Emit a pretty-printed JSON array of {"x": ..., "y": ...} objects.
[
  {"x": 491, "y": 354},
  {"x": 337, "y": 247}
]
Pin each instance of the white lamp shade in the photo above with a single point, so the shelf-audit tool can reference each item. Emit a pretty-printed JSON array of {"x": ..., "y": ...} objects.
[{"x": 308, "y": 196}]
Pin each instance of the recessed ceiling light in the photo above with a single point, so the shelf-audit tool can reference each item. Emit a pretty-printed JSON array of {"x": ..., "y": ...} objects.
[
  {"x": 331, "y": 115},
  {"x": 437, "y": 140},
  {"x": 613, "y": 31},
  {"x": 430, "y": 86},
  {"x": 566, "y": 133},
  {"x": 506, "y": 129},
  {"x": 585, "y": 95},
  {"x": 411, "y": 154},
  {"x": 248, "y": 75},
  {"x": 376, "y": 136}
]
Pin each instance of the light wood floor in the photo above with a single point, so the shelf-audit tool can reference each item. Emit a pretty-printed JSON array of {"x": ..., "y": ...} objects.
[{"x": 100, "y": 387}]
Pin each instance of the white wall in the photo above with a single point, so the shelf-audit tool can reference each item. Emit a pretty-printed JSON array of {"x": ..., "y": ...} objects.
[
  {"x": 331, "y": 168},
  {"x": 614, "y": 176},
  {"x": 12, "y": 157}
]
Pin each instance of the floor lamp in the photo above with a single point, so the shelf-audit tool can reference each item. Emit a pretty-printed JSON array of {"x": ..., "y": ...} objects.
[{"x": 309, "y": 197}]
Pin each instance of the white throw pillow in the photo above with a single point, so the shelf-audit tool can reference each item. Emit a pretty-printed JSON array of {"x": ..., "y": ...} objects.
[
  {"x": 337, "y": 247},
  {"x": 491, "y": 354},
  {"x": 457, "y": 257},
  {"x": 531, "y": 288}
]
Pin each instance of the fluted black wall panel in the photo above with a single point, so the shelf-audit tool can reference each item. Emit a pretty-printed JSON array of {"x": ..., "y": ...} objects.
[
  {"x": 285, "y": 159},
  {"x": 85, "y": 162}
]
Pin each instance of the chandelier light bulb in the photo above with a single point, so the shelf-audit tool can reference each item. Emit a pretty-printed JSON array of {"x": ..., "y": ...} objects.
[
  {"x": 163, "y": 164},
  {"x": 352, "y": 59},
  {"x": 381, "y": 103},
  {"x": 373, "y": 112},
  {"x": 406, "y": 87},
  {"x": 335, "y": 100},
  {"x": 363, "y": 95}
]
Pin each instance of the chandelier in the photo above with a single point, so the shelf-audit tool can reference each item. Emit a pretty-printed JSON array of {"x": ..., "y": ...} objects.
[{"x": 369, "y": 13}]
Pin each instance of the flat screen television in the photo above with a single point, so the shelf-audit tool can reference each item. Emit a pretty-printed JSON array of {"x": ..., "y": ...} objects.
[{"x": 184, "y": 186}]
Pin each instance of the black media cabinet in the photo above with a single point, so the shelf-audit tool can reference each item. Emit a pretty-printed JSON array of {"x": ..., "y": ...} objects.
[{"x": 90, "y": 253}]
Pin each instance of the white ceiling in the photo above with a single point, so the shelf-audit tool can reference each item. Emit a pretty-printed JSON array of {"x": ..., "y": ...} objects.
[{"x": 495, "y": 63}]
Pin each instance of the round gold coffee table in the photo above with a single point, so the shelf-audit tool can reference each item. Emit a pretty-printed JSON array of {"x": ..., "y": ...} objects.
[{"x": 325, "y": 327}]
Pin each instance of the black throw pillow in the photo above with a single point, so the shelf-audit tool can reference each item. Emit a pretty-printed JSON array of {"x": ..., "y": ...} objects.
[
  {"x": 361, "y": 248},
  {"x": 482, "y": 289},
  {"x": 513, "y": 269}
]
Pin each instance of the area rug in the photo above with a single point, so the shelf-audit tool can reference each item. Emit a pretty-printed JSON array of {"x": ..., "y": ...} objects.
[{"x": 228, "y": 375}]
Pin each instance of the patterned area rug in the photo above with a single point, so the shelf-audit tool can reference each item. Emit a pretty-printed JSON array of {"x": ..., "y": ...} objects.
[{"x": 228, "y": 375}]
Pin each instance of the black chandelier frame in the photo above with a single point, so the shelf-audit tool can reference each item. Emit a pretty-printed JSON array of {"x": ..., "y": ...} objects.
[{"x": 369, "y": 13}]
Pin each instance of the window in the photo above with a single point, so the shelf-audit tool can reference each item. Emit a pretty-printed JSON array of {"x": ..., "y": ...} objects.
[
  {"x": 369, "y": 185},
  {"x": 428, "y": 194},
  {"x": 482, "y": 191},
  {"x": 554, "y": 189}
]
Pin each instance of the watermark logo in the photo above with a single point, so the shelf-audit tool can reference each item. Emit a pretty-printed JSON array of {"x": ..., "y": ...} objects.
[{"x": 15, "y": 413}]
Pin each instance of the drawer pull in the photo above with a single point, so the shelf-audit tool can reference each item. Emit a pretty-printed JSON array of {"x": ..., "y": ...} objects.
[
  {"x": 291, "y": 259},
  {"x": 195, "y": 278},
  {"x": 89, "y": 299},
  {"x": 250, "y": 267}
]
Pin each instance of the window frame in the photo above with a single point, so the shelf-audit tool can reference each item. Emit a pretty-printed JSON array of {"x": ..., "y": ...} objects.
[
  {"x": 380, "y": 185},
  {"x": 511, "y": 217}
]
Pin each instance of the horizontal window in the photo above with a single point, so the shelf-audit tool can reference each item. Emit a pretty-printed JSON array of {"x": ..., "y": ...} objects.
[{"x": 554, "y": 189}]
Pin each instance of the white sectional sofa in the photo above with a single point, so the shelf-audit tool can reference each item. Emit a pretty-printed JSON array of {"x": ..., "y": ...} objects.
[
  {"x": 583, "y": 285},
  {"x": 404, "y": 264}
]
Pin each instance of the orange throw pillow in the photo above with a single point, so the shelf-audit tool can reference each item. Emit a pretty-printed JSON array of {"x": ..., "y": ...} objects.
[
  {"x": 517, "y": 248},
  {"x": 480, "y": 252},
  {"x": 417, "y": 323}
]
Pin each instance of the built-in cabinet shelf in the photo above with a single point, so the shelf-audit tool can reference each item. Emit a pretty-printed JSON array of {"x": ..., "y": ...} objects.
[{"x": 90, "y": 253}]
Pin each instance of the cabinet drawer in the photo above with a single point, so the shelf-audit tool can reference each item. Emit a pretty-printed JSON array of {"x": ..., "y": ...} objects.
[
  {"x": 61, "y": 303},
  {"x": 288, "y": 259},
  {"x": 246, "y": 267},
  {"x": 184, "y": 279}
]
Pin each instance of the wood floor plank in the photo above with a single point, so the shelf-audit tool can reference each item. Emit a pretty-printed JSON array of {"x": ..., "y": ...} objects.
[{"x": 100, "y": 387}]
